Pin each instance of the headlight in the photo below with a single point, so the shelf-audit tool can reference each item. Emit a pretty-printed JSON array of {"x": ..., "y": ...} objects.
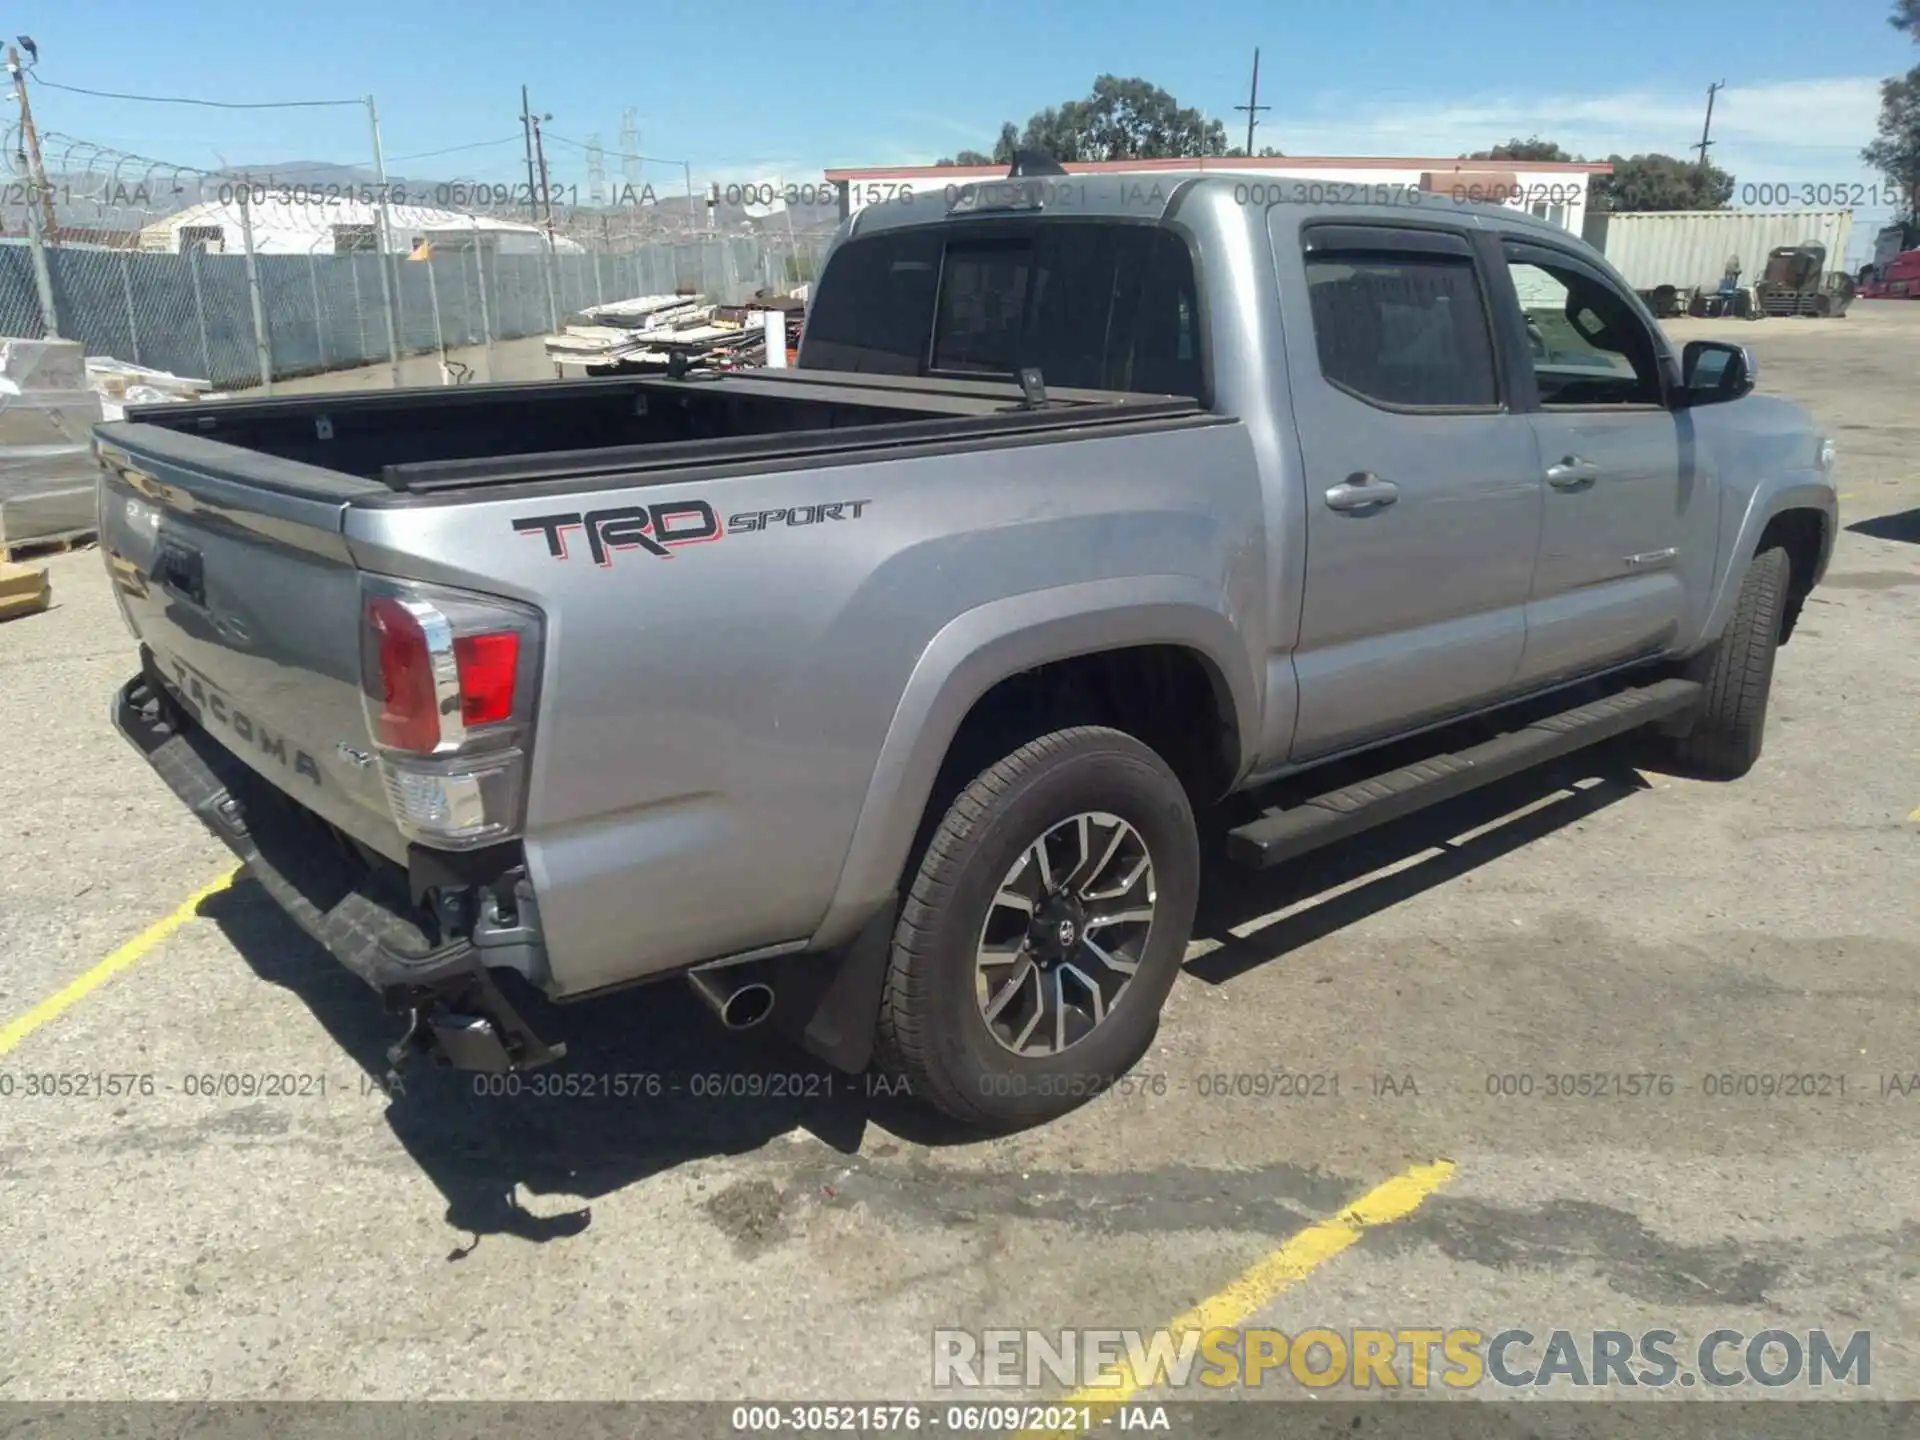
[{"x": 1826, "y": 455}]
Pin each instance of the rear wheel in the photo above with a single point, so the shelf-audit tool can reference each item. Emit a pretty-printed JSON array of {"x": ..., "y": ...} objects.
[
  {"x": 1737, "y": 671},
  {"x": 1043, "y": 929}
]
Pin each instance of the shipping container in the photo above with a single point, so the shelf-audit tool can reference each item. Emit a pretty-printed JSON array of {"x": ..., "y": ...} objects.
[
  {"x": 1689, "y": 249},
  {"x": 1891, "y": 240}
]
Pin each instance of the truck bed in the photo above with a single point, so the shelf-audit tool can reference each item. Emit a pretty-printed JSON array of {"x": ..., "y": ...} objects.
[
  {"x": 442, "y": 438},
  {"x": 238, "y": 533}
]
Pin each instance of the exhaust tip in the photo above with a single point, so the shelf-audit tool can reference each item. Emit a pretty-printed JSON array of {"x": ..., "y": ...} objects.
[{"x": 747, "y": 1007}]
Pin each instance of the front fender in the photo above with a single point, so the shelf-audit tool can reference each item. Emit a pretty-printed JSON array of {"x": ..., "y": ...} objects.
[
  {"x": 1797, "y": 490},
  {"x": 978, "y": 649}
]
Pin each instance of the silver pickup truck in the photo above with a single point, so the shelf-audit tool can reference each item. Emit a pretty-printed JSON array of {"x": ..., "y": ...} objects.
[{"x": 878, "y": 697}]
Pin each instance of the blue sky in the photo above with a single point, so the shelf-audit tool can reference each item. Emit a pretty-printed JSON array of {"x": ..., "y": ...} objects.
[{"x": 752, "y": 88}]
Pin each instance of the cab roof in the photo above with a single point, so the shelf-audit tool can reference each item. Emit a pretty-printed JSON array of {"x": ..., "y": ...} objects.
[{"x": 1158, "y": 194}]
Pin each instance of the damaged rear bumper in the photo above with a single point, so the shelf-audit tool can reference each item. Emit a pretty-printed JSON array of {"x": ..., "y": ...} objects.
[{"x": 362, "y": 913}]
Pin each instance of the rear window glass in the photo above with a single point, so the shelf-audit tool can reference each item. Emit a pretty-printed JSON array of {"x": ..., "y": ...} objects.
[
  {"x": 1101, "y": 307},
  {"x": 873, "y": 306}
]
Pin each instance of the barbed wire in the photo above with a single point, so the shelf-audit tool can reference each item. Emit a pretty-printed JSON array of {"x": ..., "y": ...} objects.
[
  {"x": 107, "y": 194},
  {"x": 241, "y": 278}
]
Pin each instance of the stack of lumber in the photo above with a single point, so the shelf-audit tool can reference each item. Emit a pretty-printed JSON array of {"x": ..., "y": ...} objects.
[
  {"x": 120, "y": 384},
  {"x": 23, "y": 590},
  {"x": 652, "y": 333}
]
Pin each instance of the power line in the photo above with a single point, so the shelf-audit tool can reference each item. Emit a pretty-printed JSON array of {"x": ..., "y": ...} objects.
[
  {"x": 476, "y": 145},
  {"x": 617, "y": 154},
  {"x": 185, "y": 100}
]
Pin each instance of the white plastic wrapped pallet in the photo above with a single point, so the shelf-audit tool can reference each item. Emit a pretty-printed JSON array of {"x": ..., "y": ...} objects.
[
  {"x": 43, "y": 364},
  {"x": 47, "y": 415}
]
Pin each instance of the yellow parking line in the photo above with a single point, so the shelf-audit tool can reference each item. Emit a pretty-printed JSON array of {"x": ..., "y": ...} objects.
[
  {"x": 1914, "y": 818},
  {"x": 72, "y": 994},
  {"x": 1269, "y": 1276}
]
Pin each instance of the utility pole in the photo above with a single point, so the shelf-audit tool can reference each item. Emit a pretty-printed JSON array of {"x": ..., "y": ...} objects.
[
  {"x": 536, "y": 191},
  {"x": 546, "y": 191},
  {"x": 526, "y": 124},
  {"x": 596, "y": 172},
  {"x": 383, "y": 241},
  {"x": 1706, "y": 130},
  {"x": 1253, "y": 106},
  {"x": 30, "y": 145}
]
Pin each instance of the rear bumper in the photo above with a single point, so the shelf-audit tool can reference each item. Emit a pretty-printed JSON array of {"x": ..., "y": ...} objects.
[
  {"x": 362, "y": 917},
  {"x": 362, "y": 913}
]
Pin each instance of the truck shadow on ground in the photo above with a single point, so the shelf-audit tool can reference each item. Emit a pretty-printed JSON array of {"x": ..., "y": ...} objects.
[
  {"x": 1444, "y": 843},
  {"x": 1902, "y": 525},
  {"x": 652, "y": 1082}
]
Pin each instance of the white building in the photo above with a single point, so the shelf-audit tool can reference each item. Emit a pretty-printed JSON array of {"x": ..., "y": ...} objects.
[
  {"x": 1555, "y": 192},
  {"x": 291, "y": 224}
]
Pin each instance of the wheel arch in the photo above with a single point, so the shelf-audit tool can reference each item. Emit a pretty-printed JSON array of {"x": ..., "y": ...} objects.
[
  {"x": 1802, "y": 516},
  {"x": 984, "y": 649}
]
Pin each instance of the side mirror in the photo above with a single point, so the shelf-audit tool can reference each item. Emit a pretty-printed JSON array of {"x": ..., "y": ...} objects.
[{"x": 1713, "y": 371}]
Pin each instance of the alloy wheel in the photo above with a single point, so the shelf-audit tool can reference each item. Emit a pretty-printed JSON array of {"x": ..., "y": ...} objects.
[{"x": 1064, "y": 933}]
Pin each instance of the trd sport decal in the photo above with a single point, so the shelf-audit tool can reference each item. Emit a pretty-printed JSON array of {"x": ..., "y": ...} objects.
[
  {"x": 751, "y": 520},
  {"x": 655, "y": 529},
  {"x": 661, "y": 529}
]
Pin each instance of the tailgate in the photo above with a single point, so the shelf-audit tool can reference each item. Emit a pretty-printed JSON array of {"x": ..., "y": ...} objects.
[{"x": 229, "y": 566}]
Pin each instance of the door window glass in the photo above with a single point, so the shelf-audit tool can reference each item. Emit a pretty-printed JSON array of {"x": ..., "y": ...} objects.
[
  {"x": 1403, "y": 330},
  {"x": 1586, "y": 344}
]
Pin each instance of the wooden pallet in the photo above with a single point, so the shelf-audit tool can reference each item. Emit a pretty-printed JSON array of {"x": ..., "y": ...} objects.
[{"x": 28, "y": 547}]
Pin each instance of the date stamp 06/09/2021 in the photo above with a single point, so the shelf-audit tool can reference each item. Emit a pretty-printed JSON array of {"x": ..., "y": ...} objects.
[{"x": 1278, "y": 1086}]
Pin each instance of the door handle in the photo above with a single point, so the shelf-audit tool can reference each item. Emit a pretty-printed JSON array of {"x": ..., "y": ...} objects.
[
  {"x": 177, "y": 568},
  {"x": 1362, "y": 492},
  {"x": 1572, "y": 473}
]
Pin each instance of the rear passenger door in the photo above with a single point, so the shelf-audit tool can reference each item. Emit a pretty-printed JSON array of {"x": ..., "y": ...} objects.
[
  {"x": 1628, "y": 515},
  {"x": 1423, "y": 488}
]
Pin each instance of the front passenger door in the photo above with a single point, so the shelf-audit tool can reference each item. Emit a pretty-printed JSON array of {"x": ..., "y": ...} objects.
[{"x": 1627, "y": 515}]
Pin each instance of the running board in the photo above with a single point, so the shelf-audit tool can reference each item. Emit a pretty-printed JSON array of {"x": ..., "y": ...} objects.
[{"x": 1280, "y": 835}]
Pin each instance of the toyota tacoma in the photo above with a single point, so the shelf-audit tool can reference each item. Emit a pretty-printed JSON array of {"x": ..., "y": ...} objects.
[{"x": 878, "y": 697}]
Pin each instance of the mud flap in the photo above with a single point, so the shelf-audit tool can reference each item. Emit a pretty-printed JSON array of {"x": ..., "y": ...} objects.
[{"x": 828, "y": 1004}]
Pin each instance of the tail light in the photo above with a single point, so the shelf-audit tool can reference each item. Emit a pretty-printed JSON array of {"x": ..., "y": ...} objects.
[{"x": 449, "y": 681}]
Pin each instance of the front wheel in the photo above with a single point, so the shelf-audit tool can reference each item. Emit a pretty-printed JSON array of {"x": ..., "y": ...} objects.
[
  {"x": 1737, "y": 671},
  {"x": 1042, "y": 931}
]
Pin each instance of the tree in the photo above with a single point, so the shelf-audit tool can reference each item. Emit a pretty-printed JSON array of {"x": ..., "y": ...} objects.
[
  {"x": 1660, "y": 182},
  {"x": 1533, "y": 149},
  {"x": 1267, "y": 152},
  {"x": 1906, "y": 16},
  {"x": 1120, "y": 119},
  {"x": 967, "y": 157},
  {"x": 1895, "y": 152}
]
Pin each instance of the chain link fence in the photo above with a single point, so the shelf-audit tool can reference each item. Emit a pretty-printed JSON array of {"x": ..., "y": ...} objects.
[{"x": 245, "y": 283}]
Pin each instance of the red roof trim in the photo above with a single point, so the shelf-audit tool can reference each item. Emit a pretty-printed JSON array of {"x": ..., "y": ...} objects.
[{"x": 1270, "y": 162}]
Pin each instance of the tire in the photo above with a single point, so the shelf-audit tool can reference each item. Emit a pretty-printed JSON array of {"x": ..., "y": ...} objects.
[
  {"x": 1737, "y": 671},
  {"x": 934, "y": 1029}
]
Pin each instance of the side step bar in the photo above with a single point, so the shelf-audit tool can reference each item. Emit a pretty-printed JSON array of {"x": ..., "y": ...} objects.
[{"x": 1280, "y": 835}]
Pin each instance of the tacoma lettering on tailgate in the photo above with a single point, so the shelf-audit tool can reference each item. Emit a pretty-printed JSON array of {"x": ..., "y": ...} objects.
[{"x": 211, "y": 702}]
